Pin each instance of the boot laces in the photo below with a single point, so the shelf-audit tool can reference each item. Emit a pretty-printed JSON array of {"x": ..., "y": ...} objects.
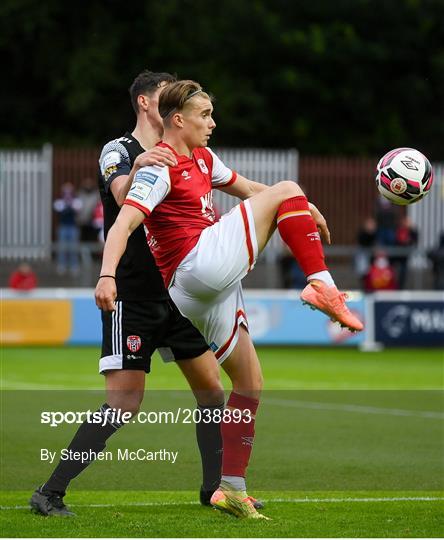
[{"x": 339, "y": 301}]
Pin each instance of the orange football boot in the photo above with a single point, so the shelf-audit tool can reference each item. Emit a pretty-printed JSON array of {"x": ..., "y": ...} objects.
[
  {"x": 237, "y": 503},
  {"x": 318, "y": 295}
]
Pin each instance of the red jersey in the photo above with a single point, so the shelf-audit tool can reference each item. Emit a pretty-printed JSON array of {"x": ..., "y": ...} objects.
[{"x": 178, "y": 203}]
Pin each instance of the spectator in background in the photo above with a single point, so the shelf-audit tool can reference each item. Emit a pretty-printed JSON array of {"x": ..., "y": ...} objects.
[
  {"x": 23, "y": 279},
  {"x": 436, "y": 256},
  {"x": 386, "y": 218},
  {"x": 406, "y": 236},
  {"x": 67, "y": 207},
  {"x": 292, "y": 276},
  {"x": 366, "y": 240},
  {"x": 381, "y": 275},
  {"x": 89, "y": 197},
  {"x": 98, "y": 222}
]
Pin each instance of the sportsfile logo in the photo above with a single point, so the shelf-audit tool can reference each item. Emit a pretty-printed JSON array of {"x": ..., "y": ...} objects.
[{"x": 181, "y": 415}]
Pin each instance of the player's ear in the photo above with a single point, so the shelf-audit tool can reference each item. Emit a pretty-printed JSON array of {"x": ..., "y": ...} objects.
[
  {"x": 177, "y": 120},
  {"x": 143, "y": 102}
]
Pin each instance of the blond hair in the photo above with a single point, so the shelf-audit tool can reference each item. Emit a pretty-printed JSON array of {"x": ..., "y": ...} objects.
[{"x": 175, "y": 96}]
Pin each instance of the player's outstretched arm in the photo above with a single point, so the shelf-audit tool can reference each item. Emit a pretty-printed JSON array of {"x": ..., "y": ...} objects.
[
  {"x": 155, "y": 156},
  {"x": 129, "y": 218},
  {"x": 244, "y": 189}
]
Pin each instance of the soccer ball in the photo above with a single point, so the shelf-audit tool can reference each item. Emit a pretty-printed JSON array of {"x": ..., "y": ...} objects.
[{"x": 404, "y": 176}]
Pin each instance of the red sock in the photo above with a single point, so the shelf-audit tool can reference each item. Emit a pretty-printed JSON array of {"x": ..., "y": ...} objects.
[
  {"x": 237, "y": 436},
  {"x": 298, "y": 230}
]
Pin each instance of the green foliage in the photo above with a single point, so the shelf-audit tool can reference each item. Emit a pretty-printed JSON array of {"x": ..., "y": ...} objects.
[{"x": 349, "y": 77}]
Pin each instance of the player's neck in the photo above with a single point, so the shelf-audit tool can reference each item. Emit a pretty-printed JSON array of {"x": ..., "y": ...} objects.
[
  {"x": 177, "y": 144},
  {"x": 146, "y": 134}
]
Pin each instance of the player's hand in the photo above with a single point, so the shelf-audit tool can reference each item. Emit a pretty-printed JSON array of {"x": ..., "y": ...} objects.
[
  {"x": 106, "y": 293},
  {"x": 321, "y": 223},
  {"x": 156, "y": 156}
]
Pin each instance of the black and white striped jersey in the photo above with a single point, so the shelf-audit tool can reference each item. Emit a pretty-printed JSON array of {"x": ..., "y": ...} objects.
[{"x": 137, "y": 277}]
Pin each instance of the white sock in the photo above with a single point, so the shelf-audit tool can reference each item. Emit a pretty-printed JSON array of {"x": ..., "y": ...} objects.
[
  {"x": 233, "y": 483},
  {"x": 324, "y": 276}
]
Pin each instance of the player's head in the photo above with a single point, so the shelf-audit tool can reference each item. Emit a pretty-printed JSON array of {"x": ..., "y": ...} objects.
[
  {"x": 187, "y": 109},
  {"x": 145, "y": 91}
]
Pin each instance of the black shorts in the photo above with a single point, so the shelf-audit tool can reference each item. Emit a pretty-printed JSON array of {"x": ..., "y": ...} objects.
[{"x": 135, "y": 330}]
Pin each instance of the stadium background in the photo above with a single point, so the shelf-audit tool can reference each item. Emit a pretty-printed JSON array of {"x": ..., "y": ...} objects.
[{"x": 323, "y": 88}]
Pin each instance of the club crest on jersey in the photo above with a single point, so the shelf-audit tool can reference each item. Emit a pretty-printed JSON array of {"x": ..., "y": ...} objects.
[
  {"x": 133, "y": 343},
  {"x": 202, "y": 165}
]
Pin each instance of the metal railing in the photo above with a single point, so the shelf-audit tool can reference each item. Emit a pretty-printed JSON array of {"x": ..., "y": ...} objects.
[
  {"x": 343, "y": 257},
  {"x": 25, "y": 203}
]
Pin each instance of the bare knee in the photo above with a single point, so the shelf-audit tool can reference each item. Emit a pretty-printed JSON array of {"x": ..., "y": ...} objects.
[
  {"x": 248, "y": 384},
  {"x": 288, "y": 189},
  {"x": 211, "y": 396},
  {"x": 125, "y": 400},
  {"x": 124, "y": 389}
]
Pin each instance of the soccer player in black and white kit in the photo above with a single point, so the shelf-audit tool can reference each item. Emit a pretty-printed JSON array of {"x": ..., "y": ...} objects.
[{"x": 145, "y": 317}]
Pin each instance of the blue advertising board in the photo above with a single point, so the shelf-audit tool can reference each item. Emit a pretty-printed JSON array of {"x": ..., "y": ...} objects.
[
  {"x": 280, "y": 318},
  {"x": 410, "y": 322}
]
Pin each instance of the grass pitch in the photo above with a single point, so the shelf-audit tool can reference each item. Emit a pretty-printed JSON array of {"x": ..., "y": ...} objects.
[{"x": 336, "y": 397}]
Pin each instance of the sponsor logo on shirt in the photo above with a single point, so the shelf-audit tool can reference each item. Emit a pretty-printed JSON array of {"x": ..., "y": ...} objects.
[
  {"x": 109, "y": 171},
  {"x": 202, "y": 165},
  {"x": 140, "y": 190},
  {"x": 108, "y": 164},
  {"x": 207, "y": 208},
  {"x": 146, "y": 177},
  {"x": 186, "y": 175}
]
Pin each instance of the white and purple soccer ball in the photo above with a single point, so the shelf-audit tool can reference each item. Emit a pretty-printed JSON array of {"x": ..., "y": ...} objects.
[{"x": 404, "y": 176}]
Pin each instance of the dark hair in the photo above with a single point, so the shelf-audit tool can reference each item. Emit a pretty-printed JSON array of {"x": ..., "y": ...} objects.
[
  {"x": 175, "y": 96},
  {"x": 146, "y": 83}
]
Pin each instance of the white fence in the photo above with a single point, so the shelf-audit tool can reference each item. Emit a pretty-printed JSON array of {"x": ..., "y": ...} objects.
[
  {"x": 26, "y": 197},
  {"x": 428, "y": 214},
  {"x": 26, "y": 203},
  {"x": 261, "y": 165}
]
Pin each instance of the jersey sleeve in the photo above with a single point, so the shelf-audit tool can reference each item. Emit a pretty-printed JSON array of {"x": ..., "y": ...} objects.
[
  {"x": 150, "y": 186},
  {"x": 221, "y": 175},
  {"x": 114, "y": 161}
]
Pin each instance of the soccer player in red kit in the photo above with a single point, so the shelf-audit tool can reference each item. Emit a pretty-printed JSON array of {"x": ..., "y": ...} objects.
[{"x": 203, "y": 260}]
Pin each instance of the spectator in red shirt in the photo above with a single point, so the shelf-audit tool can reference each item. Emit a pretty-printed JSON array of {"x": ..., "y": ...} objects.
[
  {"x": 381, "y": 276},
  {"x": 23, "y": 279}
]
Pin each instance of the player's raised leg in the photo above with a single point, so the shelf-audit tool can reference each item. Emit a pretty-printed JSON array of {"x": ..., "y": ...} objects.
[{"x": 285, "y": 206}]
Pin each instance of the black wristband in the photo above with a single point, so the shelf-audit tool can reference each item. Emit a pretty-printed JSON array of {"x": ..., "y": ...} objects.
[{"x": 105, "y": 275}]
